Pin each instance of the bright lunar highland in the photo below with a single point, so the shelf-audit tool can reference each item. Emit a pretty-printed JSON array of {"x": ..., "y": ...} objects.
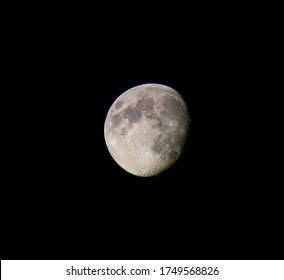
[{"x": 146, "y": 129}]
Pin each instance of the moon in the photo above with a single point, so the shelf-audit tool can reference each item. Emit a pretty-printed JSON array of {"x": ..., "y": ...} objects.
[{"x": 146, "y": 129}]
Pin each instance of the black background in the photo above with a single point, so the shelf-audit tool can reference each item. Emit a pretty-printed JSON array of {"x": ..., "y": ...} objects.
[{"x": 66, "y": 198}]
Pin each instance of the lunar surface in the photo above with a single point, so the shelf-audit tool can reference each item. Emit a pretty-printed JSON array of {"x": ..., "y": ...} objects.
[{"x": 146, "y": 129}]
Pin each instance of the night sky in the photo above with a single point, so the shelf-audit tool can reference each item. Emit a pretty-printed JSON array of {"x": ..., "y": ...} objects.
[{"x": 68, "y": 199}]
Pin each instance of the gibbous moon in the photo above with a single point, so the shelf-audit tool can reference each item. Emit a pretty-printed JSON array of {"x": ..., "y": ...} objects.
[{"x": 146, "y": 129}]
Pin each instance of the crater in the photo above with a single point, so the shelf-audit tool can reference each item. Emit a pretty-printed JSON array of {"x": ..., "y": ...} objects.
[
  {"x": 145, "y": 104},
  {"x": 118, "y": 104},
  {"x": 132, "y": 114},
  {"x": 173, "y": 155}
]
